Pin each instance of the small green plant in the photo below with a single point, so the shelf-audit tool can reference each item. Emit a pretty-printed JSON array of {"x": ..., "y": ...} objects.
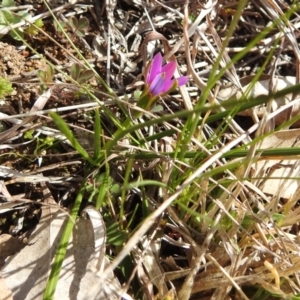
[
  {"x": 7, "y": 17},
  {"x": 33, "y": 29},
  {"x": 59, "y": 26},
  {"x": 46, "y": 77},
  {"x": 79, "y": 74},
  {"x": 5, "y": 87},
  {"x": 43, "y": 143},
  {"x": 78, "y": 26}
]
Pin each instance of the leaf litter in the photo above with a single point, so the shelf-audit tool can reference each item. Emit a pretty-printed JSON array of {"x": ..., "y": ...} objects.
[{"x": 249, "y": 237}]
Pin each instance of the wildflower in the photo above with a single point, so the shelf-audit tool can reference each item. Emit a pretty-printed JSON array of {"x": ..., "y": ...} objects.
[
  {"x": 159, "y": 78},
  {"x": 159, "y": 81}
]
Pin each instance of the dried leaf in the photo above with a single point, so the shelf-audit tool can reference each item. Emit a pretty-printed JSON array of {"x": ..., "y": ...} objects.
[
  {"x": 38, "y": 105},
  {"x": 9, "y": 245},
  {"x": 4, "y": 191},
  {"x": 5, "y": 292},
  {"x": 281, "y": 167},
  {"x": 26, "y": 273},
  {"x": 261, "y": 87}
]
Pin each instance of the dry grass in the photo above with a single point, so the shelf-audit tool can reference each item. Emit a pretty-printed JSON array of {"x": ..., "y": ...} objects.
[{"x": 196, "y": 221}]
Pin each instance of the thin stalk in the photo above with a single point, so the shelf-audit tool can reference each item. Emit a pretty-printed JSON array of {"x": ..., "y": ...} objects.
[{"x": 62, "y": 248}]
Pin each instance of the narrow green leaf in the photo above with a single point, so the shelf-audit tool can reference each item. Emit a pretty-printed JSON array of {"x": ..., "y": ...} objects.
[
  {"x": 104, "y": 187},
  {"x": 62, "y": 248},
  {"x": 63, "y": 127},
  {"x": 115, "y": 236},
  {"x": 97, "y": 133}
]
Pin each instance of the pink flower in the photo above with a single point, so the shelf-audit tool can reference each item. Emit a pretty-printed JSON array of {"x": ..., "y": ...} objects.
[{"x": 159, "y": 78}]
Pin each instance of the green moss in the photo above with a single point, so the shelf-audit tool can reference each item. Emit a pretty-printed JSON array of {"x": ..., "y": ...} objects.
[{"x": 5, "y": 87}]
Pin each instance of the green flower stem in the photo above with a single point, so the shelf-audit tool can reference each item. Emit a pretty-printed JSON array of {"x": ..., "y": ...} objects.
[
  {"x": 62, "y": 248},
  {"x": 145, "y": 102},
  {"x": 277, "y": 153},
  {"x": 107, "y": 148}
]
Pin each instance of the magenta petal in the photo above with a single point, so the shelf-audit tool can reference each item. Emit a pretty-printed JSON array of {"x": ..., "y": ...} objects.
[
  {"x": 179, "y": 82},
  {"x": 155, "y": 68},
  {"x": 169, "y": 69},
  {"x": 157, "y": 84},
  {"x": 182, "y": 80},
  {"x": 168, "y": 84}
]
